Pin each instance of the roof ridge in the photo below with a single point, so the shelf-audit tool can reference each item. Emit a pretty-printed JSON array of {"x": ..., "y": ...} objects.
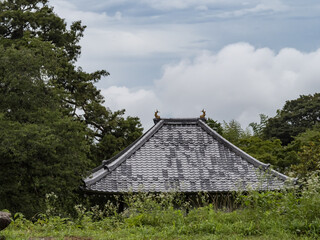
[{"x": 179, "y": 120}]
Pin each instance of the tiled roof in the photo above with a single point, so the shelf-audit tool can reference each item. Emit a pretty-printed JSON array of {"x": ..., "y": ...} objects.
[{"x": 183, "y": 155}]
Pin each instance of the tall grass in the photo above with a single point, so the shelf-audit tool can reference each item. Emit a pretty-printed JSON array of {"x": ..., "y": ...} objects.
[{"x": 293, "y": 213}]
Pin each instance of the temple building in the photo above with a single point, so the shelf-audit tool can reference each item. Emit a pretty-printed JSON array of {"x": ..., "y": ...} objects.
[{"x": 183, "y": 155}]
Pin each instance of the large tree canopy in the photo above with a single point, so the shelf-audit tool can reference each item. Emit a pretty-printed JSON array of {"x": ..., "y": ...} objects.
[
  {"x": 34, "y": 18},
  {"x": 25, "y": 20},
  {"x": 294, "y": 118},
  {"x": 53, "y": 124},
  {"x": 42, "y": 149}
]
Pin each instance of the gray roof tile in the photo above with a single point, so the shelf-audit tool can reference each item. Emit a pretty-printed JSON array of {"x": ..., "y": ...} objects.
[{"x": 183, "y": 155}]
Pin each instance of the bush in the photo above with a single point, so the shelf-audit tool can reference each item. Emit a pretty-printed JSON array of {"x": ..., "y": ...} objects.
[{"x": 287, "y": 214}]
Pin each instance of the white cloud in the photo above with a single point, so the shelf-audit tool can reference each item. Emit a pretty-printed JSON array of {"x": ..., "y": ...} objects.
[
  {"x": 239, "y": 8},
  {"x": 202, "y": 8},
  {"x": 141, "y": 103},
  {"x": 239, "y": 82},
  {"x": 264, "y": 7},
  {"x": 138, "y": 43},
  {"x": 71, "y": 12},
  {"x": 184, "y": 4}
]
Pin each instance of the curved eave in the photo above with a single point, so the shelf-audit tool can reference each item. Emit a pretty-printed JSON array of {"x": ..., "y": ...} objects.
[{"x": 175, "y": 191}]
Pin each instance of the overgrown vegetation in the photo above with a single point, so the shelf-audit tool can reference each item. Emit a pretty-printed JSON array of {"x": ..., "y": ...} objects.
[
  {"x": 293, "y": 213},
  {"x": 54, "y": 127}
]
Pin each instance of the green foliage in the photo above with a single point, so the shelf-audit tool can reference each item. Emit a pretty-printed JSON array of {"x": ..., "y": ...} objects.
[
  {"x": 41, "y": 148},
  {"x": 267, "y": 151},
  {"x": 233, "y": 132},
  {"x": 37, "y": 158},
  {"x": 33, "y": 25},
  {"x": 34, "y": 18},
  {"x": 303, "y": 213},
  {"x": 118, "y": 133},
  {"x": 53, "y": 125},
  {"x": 260, "y": 201},
  {"x": 152, "y": 209},
  {"x": 307, "y": 146},
  {"x": 299, "y": 158},
  {"x": 258, "y": 128},
  {"x": 215, "y": 125},
  {"x": 294, "y": 118},
  {"x": 289, "y": 214},
  {"x": 309, "y": 159},
  {"x": 24, "y": 94},
  {"x": 288, "y": 141}
]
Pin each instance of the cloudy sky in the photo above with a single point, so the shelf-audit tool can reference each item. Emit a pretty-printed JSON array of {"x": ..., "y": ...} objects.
[{"x": 234, "y": 58}]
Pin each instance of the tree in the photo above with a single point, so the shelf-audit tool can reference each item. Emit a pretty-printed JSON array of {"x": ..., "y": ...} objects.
[
  {"x": 233, "y": 132},
  {"x": 215, "y": 125},
  {"x": 41, "y": 149},
  {"x": 22, "y": 22},
  {"x": 35, "y": 19},
  {"x": 41, "y": 158},
  {"x": 294, "y": 118},
  {"x": 258, "y": 128},
  {"x": 118, "y": 134},
  {"x": 267, "y": 151},
  {"x": 53, "y": 123},
  {"x": 307, "y": 148},
  {"x": 309, "y": 160}
]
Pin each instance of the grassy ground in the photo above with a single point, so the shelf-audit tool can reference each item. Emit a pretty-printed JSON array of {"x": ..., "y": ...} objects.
[
  {"x": 201, "y": 223},
  {"x": 291, "y": 214}
]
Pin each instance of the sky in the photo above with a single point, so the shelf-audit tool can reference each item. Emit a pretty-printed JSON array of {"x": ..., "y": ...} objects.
[{"x": 235, "y": 59}]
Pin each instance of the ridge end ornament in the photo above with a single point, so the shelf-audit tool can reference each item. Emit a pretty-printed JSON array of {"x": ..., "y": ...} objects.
[
  {"x": 156, "y": 114},
  {"x": 203, "y": 115}
]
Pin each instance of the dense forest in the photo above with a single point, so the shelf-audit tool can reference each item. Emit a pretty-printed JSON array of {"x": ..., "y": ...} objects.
[{"x": 54, "y": 126}]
